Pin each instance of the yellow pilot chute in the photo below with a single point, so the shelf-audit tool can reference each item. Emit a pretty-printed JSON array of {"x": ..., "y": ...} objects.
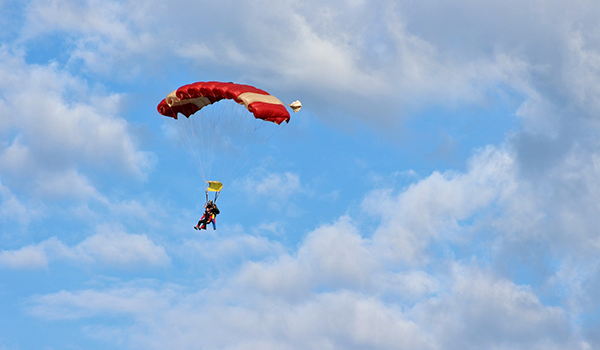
[{"x": 214, "y": 186}]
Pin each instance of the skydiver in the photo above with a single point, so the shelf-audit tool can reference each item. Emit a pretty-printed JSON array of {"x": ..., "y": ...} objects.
[{"x": 210, "y": 214}]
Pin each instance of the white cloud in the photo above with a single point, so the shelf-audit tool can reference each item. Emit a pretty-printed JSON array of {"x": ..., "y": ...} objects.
[
  {"x": 30, "y": 257},
  {"x": 113, "y": 247},
  {"x": 342, "y": 290},
  {"x": 432, "y": 207},
  {"x": 399, "y": 55},
  {"x": 376, "y": 64},
  {"x": 104, "y": 34},
  {"x": 110, "y": 246},
  {"x": 332, "y": 256},
  {"x": 70, "y": 182},
  {"x": 531, "y": 205},
  {"x": 62, "y": 126},
  {"x": 133, "y": 300},
  {"x": 408, "y": 286},
  {"x": 475, "y": 311},
  {"x": 285, "y": 278},
  {"x": 480, "y": 311},
  {"x": 234, "y": 245},
  {"x": 338, "y": 255},
  {"x": 12, "y": 208},
  {"x": 168, "y": 317}
]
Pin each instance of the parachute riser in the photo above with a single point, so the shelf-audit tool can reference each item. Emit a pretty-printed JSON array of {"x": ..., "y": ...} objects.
[{"x": 215, "y": 198}]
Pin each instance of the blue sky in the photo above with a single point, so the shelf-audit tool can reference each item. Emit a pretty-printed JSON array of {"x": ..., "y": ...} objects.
[{"x": 439, "y": 189}]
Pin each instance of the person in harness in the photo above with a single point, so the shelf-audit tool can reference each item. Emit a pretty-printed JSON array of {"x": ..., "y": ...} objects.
[
  {"x": 210, "y": 208},
  {"x": 210, "y": 213}
]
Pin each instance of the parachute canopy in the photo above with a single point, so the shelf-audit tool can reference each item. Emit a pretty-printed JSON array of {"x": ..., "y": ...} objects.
[
  {"x": 191, "y": 98},
  {"x": 223, "y": 137}
]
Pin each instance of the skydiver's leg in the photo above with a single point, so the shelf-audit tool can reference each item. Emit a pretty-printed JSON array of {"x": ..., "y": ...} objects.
[
  {"x": 206, "y": 221},
  {"x": 212, "y": 219},
  {"x": 202, "y": 222}
]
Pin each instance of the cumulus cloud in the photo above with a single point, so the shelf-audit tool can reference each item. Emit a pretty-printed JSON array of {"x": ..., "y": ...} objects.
[
  {"x": 475, "y": 311},
  {"x": 398, "y": 56},
  {"x": 332, "y": 256},
  {"x": 378, "y": 61},
  {"x": 60, "y": 125},
  {"x": 344, "y": 319},
  {"x": 110, "y": 246},
  {"x": 70, "y": 182},
  {"x": 104, "y": 35},
  {"x": 30, "y": 257},
  {"x": 338, "y": 254},
  {"x": 448, "y": 262},
  {"x": 120, "y": 249},
  {"x": 434, "y": 206},
  {"x": 480, "y": 311},
  {"x": 341, "y": 290}
]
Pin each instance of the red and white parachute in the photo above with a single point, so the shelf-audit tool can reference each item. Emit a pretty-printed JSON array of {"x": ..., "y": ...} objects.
[
  {"x": 220, "y": 131},
  {"x": 191, "y": 98}
]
